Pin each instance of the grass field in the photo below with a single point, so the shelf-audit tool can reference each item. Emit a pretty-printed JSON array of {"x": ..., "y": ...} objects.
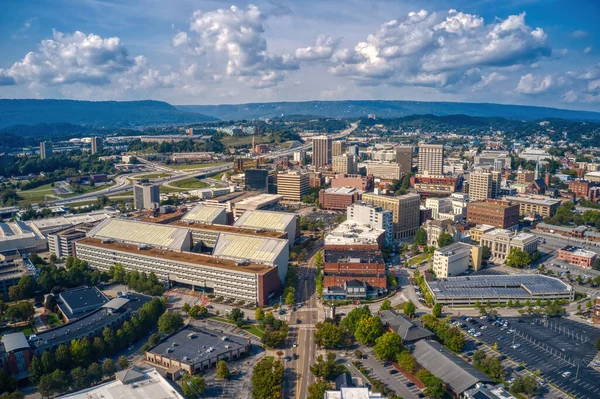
[
  {"x": 35, "y": 194},
  {"x": 230, "y": 141},
  {"x": 190, "y": 183},
  {"x": 152, "y": 176},
  {"x": 254, "y": 329},
  {"x": 190, "y": 166},
  {"x": 415, "y": 260}
]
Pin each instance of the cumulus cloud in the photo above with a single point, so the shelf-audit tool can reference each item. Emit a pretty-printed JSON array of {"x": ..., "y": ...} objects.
[
  {"x": 323, "y": 48},
  {"x": 530, "y": 84},
  {"x": 440, "y": 49},
  {"x": 579, "y": 34},
  {"x": 86, "y": 59},
  {"x": 238, "y": 35}
]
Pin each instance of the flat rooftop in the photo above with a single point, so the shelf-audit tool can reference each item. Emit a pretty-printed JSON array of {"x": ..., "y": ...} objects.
[
  {"x": 258, "y": 200},
  {"x": 152, "y": 386},
  {"x": 185, "y": 257},
  {"x": 255, "y": 249},
  {"x": 500, "y": 286},
  {"x": 192, "y": 345},
  {"x": 349, "y": 232},
  {"x": 221, "y": 228},
  {"x": 341, "y": 190},
  {"x": 268, "y": 220},
  {"x": 82, "y": 297},
  {"x": 204, "y": 213},
  {"x": 334, "y": 256},
  {"x": 578, "y": 251},
  {"x": 534, "y": 200},
  {"x": 164, "y": 236},
  {"x": 454, "y": 248}
]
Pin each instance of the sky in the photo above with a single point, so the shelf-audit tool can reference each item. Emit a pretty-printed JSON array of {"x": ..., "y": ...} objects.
[{"x": 532, "y": 52}]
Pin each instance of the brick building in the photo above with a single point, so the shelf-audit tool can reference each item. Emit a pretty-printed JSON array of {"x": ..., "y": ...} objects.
[
  {"x": 362, "y": 183},
  {"x": 434, "y": 184},
  {"x": 338, "y": 199},
  {"x": 577, "y": 256},
  {"x": 498, "y": 213},
  {"x": 580, "y": 187},
  {"x": 343, "y": 266}
]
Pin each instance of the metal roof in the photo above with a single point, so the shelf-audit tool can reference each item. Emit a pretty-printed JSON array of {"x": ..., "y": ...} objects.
[
  {"x": 405, "y": 328},
  {"x": 204, "y": 213},
  {"x": 116, "y": 303},
  {"x": 130, "y": 231},
  {"x": 14, "y": 342},
  {"x": 243, "y": 247},
  {"x": 441, "y": 362},
  {"x": 267, "y": 220}
]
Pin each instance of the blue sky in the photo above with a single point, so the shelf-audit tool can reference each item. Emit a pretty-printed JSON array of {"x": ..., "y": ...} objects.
[{"x": 535, "y": 52}]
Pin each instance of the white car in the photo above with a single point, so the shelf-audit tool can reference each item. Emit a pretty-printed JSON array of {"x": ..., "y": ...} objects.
[
  {"x": 483, "y": 327},
  {"x": 566, "y": 374},
  {"x": 515, "y": 346},
  {"x": 477, "y": 334},
  {"x": 483, "y": 318}
]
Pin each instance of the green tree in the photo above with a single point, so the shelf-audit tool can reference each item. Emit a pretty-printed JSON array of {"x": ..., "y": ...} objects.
[
  {"x": 486, "y": 253},
  {"x": 326, "y": 367},
  {"x": 81, "y": 350},
  {"x": 80, "y": 378},
  {"x": 368, "y": 330},
  {"x": 437, "y": 310},
  {"x": 186, "y": 307},
  {"x": 26, "y": 286},
  {"x": 123, "y": 362},
  {"x": 392, "y": 282},
  {"x": 354, "y": 317},
  {"x": 267, "y": 377},
  {"x": 222, "y": 370},
  {"x": 169, "y": 322},
  {"x": 192, "y": 386},
  {"x": 45, "y": 386},
  {"x": 421, "y": 236},
  {"x": 94, "y": 372},
  {"x": 290, "y": 297},
  {"x": 108, "y": 367},
  {"x": 36, "y": 370},
  {"x": 407, "y": 361},
  {"x": 409, "y": 309},
  {"x": 259, "y": 314},
  {"x": 517, "y": 258},
  {"x": 48, "y": 362},
  {"x": 237, "y": 316},
  {"x": 445, "y": 239},
  {"x": 527, "y": 385},
  {"x": 388, "y": 346},
  {"x": 63, "y": 358},
  {"x": 117, "y": 272},
  {"x": 328, "y": 335},
  {"x": 386, "y": 305},
  {"x": 317, "y": 389}
]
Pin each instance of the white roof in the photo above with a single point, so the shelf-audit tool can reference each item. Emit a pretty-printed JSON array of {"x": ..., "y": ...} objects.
[
  {"x": 203, "y": 213},
  {"x": 153, "y": 386},
  {"x": 350, "y": 232},
  {"x": 352, "y": 393},
  {"x": 255, "y": 249},
  {"x": 18, "y": 230},
  {"x": 129, "y": 231},
  {"x": 259, "y": 200},
  {"x": 273, "y": 221}
]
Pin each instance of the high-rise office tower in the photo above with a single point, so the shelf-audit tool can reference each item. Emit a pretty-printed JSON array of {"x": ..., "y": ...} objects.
[
  {"x": 338, "y": 148},
  {"x": 256, "y": 179},
  {"x": 321, "y": 151},
  {"x": 97, "y": 145},
  {"x": 344, "y": 163},
  {"x": 484, "y": 185},
  {"x": 146, "y": 195},
  {"x": 405, "y": 208},
  {"x": 45, "y": 149},
  {"x": 353, "y": 150},
  {"x": 431, "y": 159},
  {"x": 404, "y": 155},
  {"x": 293, "y": 185}
]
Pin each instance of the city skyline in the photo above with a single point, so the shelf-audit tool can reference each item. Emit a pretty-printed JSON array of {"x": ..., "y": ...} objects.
[{"x": 517, "y": 52}]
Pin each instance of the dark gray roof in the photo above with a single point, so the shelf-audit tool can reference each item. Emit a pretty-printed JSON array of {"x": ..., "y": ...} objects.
[
  {"x": 354, "y": 256},
  {"x": 441, "y": 362},
  {"x": 406, "y": 329},
  {"x": 116, "y": 303},
  {"x": 83, "y": 297},
  {"x": 14, "y": 342},
  {"x": 129, "y": 375},
  {"x": 191, "y": 345}
]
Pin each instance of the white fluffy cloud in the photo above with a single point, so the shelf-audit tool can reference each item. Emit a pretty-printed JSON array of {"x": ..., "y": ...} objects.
[
  {"x": 440, "y": 49},
  {"x": 237, "y": 34},
  {"x": 530, "y": 84},
  {"x": 322, "y": 49}
]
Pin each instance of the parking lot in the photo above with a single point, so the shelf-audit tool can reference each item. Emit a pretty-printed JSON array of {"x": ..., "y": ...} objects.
[{"x": 560, "y": 349}]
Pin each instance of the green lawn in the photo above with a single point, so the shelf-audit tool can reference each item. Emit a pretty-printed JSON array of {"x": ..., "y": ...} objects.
[
  {"x": 255, "y": 329},
  {"x": 190, "y": 182},
  {"x": 415, "y": 260},
  {"x": 53, "y": 320},
  {"x": 35, "y": 194},
  {"x": 230, "y": 141},
  {"x": 157, "y": 175},
  {"x": 186, "y": 166}
]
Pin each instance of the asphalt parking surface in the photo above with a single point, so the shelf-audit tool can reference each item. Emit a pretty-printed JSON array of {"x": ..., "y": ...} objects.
[{"x": 553, "y": 346}]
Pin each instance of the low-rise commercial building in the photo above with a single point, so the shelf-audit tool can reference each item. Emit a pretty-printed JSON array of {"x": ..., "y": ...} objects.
[
  {"x": 372, "y": 216},
  {"x": 577, "y": 256},
  {"x": 21, "y": 236},
  {"x": 77, "y": 302},
  {"x": 260, "y": 220},
  {"x": 536, "y": 204},
  {"x": 479, "y": 230},
  {"x": 337, "y": 199},
  {"x": 258, "y": 202},
  {"x": 501, "y": 241},
  {"x": 436, "y": 184},
  {"x": 410, "y": 331},
  {"x": 434, "y": 228},
  {"x": 15, "y": 355},
  {"x": 497, "y": 213},
  {"x": 361, "y": 183},
  {"x": 365, "y": 266},
  {"x": 353, "y": 393},
  {"x": 351, "y": 234},
  {"x": 456, "y": 259},
  {"x": 438, "y": 205},
  {"x": 195, "y": 350},
  {"x": 293, "y": 185},
  {"x": 499, "y": 288}
]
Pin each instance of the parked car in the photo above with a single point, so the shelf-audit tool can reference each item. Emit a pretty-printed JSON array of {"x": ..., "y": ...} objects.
[
  {"x": 393, "y": 371},
  {"x": 410, "y": 384},
  {"x": 566, "y": 374}
]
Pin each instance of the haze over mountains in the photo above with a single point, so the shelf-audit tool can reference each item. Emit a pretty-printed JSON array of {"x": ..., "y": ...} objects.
[{"x": 149, "y": 113}]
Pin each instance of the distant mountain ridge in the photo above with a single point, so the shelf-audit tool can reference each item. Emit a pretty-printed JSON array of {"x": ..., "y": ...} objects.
[
  {"x": 95, "y": 113},
  {"x": 384, "y": 109}
]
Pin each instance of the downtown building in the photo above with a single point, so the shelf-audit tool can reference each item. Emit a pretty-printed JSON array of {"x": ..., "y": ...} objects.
[
  {"x": 338, "y": 199},
  {"x": 353, "y": 274},
  {"x": 321, "y": 151},
  {"x": 431, "y": 159},
  {"x": 406, "y": 210},
  {"x": 498, "y": 213},
  {"x": 484, "y": 185},
  {"x": 344, "y": 163},
  {"x": 146, "y": 196},
  {"x": 293, "y": 185},
  {"x": 373, "y": 216}
]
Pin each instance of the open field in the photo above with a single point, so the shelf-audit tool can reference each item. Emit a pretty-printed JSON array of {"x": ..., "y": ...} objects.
[
  {"x": 231, "y": 141},
  {"x": 190, "y": 183},
  {"x": 191, "y": 166},
  {"x": 157, "y": 175},
  {"x": 415, "y": 260}
]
